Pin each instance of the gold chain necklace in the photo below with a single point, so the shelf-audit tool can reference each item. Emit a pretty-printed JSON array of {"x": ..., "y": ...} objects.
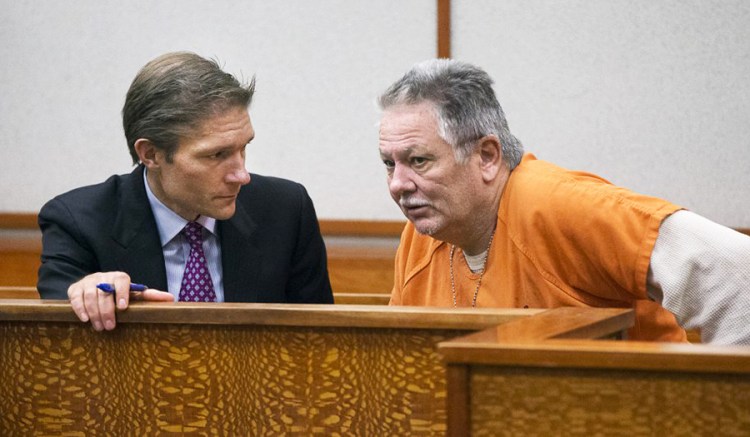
[{"x": 481, "y": 275}]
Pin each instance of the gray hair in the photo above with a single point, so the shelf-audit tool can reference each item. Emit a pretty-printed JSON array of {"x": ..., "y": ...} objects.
[
  {"x": 173, "y": 95},
  {"x": 465, "y": 105}
]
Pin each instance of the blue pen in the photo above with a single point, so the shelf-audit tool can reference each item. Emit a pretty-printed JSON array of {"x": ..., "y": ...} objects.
[{"x": 110, "y": 288}]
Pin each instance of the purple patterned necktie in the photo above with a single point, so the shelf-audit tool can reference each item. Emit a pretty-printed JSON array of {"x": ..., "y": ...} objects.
[{"x": 196, "y": 281}]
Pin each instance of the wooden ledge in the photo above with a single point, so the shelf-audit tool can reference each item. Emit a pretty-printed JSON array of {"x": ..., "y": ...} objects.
[
  {"x": 355, "y": 316},
  {"x": 605, "y": 354},
  {"x": 533, "y": 343},
  {"x": 564, "y": 322}
]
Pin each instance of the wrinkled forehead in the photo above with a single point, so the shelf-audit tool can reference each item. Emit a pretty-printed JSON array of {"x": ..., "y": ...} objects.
[
  {"x": 404, "y": 117},
  {"x": 411, "y": 130}
]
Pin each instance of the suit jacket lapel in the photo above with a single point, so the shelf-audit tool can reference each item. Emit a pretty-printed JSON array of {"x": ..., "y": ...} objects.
[
  {"x": 237, "y": 252},
  {"x": 137, "y": 236}
]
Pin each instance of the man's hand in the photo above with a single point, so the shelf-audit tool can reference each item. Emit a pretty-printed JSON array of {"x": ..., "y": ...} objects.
[{"x": 90, "y": 303}]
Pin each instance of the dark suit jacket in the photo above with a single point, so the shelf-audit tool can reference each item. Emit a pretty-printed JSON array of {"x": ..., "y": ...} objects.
[{"x": 272, "y": 250}]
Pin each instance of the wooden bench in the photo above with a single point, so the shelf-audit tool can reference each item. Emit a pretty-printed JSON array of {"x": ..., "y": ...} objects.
[
  {"x": 19, "y": 257},
  {"x": 694, "y": 335},
  {"x": 18, "y": 293},
  {"x": 355, "y": 264},
  {"x": 241, "y": 369}
]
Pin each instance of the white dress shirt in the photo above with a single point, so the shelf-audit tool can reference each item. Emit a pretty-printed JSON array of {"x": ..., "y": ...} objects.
[{"x": 176, "y": 248}]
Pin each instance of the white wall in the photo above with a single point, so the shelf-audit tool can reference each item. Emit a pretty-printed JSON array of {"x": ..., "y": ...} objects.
[
  {"x": 65, "y": 68},
  {"x": 654, "y": 95}
]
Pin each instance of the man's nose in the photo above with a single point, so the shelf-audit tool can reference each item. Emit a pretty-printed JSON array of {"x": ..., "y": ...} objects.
[
  {"x": 238, "y": 173},
  {"x": 401, "y": 181},
  {"x": 239, "y": 176}
]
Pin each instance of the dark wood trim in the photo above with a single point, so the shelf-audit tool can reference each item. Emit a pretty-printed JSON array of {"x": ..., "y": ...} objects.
[
  {"x": 443, "y": 28},
  {"x": 362, "y": 228},
  {"x": 18, "y": 220},
  {"x": 356, "y": 228},
  {"x": 354, "y": 298},
  {"x": 458, "y": 404}
]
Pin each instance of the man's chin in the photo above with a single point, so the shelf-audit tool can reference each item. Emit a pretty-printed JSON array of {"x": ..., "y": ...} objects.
[
  {"x": 425, "y": 227},
  {"x": 222, "y": 214}
]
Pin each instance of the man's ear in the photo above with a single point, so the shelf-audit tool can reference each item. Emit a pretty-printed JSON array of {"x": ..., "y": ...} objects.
[
  {"x": 490, "y": 157},
  {"x": 147, "y": 152}
]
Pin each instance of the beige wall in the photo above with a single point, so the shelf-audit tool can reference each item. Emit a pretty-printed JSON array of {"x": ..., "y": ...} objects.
[{"x": 654, "y": 96}]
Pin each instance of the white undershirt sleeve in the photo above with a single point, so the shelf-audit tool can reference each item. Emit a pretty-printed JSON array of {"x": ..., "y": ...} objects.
[{"x": 700, "y": 271}]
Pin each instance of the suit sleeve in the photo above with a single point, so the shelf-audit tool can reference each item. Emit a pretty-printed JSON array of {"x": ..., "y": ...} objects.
[
  {"x": 309, "y": 282},
  {"x": 66, "y": 258}
]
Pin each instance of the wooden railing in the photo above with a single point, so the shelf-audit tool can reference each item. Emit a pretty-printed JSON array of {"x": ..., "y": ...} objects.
[
  {"x": 513, "y": 380},
  {"x": 241, "y": 369}
]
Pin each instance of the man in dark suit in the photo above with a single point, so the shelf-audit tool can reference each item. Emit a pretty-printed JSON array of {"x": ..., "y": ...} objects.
[{"x": 187, "y": 126}]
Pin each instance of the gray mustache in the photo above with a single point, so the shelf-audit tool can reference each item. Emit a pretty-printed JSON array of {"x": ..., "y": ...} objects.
[{"x": 409, "y": 202}]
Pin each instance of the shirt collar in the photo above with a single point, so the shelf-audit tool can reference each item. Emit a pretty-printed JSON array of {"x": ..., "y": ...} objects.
[{"x": 168, "y": 222}]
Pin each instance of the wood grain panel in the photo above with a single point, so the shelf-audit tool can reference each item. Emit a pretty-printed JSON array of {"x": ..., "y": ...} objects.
[
  {"x": 230, "y": 369},
  {"x": 542, "y": 381},
  {"x": 238, "y": 380},
  {"x": 508, "y": 401}
]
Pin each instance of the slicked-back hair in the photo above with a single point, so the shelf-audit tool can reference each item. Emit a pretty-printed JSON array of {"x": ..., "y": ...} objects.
[
  {"x": 173, "y": 95},
  {"x": 465, "y": 105}
]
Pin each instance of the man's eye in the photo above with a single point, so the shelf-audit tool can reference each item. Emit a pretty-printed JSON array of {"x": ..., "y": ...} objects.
[
  {"x": 418, "y": 161},
  {"x": 388, "y": 163}
]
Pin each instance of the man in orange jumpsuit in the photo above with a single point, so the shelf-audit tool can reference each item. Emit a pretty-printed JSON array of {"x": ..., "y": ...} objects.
[{"x": 490, "y": 226}]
